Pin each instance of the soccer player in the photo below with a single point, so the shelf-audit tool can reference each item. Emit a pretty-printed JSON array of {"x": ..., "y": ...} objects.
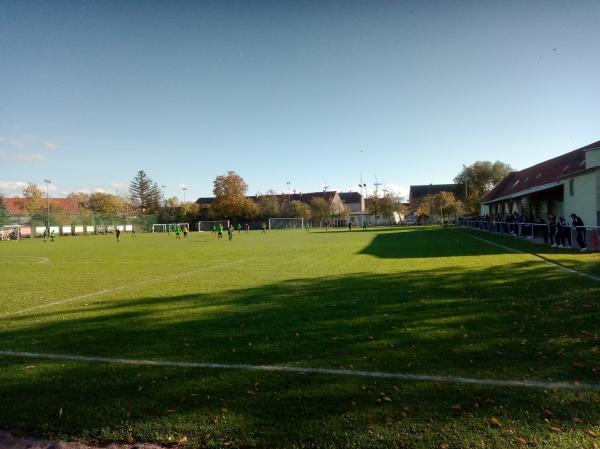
[
  {"x": 264, "y": 227},
  {"x": 52, "y": 235},
  {"x": 247, "y": 227},
  {"x": 307, "y": 226},
  {"x": 178, "y": 232},
  {"x": 230, "y": 232},
  {"x": 185, "y": 232},
  {"x": 133, "y": 234},
  {"x": 46, "y": 233},
  {"x": 239, "y": 228},
  {"x": 118, "y": 234},
  {"x": 220, "y": 231}
]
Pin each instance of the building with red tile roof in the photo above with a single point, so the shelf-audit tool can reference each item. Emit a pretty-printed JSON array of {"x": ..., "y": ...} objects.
[{"x": 566, "y": 184}]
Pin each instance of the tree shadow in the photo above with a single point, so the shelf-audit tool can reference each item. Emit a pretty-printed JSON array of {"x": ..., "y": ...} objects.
[
  {"x": 519, "y": 321},
  {"x": 427, "y": 242}
]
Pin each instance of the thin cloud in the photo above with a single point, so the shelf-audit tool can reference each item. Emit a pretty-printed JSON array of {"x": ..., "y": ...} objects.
[
  {"x": 50, "y": 145},
  {"x": 32, "y": 157},
  {"x": 12, "y": 188}
]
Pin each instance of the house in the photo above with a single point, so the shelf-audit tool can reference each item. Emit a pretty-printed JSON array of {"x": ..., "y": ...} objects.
[
  {"x": 18, "y": 206},
  {"x": 337, "y": 207},
  {"x": 355, "y": 206},
  {"x": 566, "y": 184},
  {"x": 418, "y": 193}
]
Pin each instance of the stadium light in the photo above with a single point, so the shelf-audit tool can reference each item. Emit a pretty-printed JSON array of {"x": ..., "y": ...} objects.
[
  {"x": 184, "y": 188},
  {"x": 48, "y": 182},
  {"x": 289, "y": 198}
]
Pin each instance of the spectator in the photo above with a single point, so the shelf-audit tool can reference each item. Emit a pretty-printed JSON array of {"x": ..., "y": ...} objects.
[
  {"x": 552, "y": 230},
  {"x": 563, "y": 233},
  {"x": 579, "y": 232}
]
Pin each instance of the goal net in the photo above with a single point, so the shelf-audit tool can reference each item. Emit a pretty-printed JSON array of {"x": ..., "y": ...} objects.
[
  {"x": 209, "y": 226},
  {"x": 286, "y": 223},
  {"x": 164, "y": 227}
]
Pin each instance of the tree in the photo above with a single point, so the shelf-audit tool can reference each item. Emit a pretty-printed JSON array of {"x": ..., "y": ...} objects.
[
  {"x": 268, "y": 205},
  {"x": 82, "y": 199},
  {"x": 298, "y": 209},
  {"x": 320, "y": 208},
  {"x": 3, "y": 212},
  {"x": 106, "y": 203},
  {"x": 230, "y": 198},
  {"x": 446, "y": 204},
  {"x": 481, "y": 177},
  {"x": 34, "y": 203},
  {"x": 144, "y": 193}
]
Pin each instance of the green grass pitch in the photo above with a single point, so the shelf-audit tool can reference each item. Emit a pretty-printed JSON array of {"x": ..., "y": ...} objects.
[{"x": 412, "y": 300}]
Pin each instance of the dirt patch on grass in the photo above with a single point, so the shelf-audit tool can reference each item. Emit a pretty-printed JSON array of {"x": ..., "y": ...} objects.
[{"x": 7, "y": 441}]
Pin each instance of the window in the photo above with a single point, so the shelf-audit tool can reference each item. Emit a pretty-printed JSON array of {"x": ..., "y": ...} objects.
[{"x": 572, "y": 187}]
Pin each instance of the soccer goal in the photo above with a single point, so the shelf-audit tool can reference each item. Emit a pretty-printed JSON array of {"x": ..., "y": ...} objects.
[
  {"x": 208, "y": 226},
  {"x": 159, "y": 227},
  {"x": 286, "y": 223}
]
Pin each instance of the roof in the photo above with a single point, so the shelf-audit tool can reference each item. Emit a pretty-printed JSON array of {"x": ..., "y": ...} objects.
[
  {"x": 16, "y": 206},
  {"x": 304, "y": 197},
  {"x": 206, "y": 200},
  {"x": 421, "y": 191},
  {"x": 541, "y": 176},
  {"x": 351, "y": 197}
]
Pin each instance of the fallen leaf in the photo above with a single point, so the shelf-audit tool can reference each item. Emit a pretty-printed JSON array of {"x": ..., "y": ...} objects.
[
  {"x": 555, "y": 429},
  {"x": 183, "y": 440},
  {"x": 520, "y": 440},
  {"x": 591, "y": 433},
  {"x": 493, "y": 422},
  {"x": 171, "y": 410},
  {"x": 60, "y": 412}
]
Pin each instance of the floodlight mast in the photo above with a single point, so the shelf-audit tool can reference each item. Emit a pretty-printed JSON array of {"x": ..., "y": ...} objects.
[{"x": 48, "y": 182}]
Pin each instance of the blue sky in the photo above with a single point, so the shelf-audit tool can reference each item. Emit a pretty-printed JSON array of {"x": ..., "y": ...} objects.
[{"x": 310, "y": 92}]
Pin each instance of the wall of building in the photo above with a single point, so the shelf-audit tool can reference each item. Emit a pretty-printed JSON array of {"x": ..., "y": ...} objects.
[
  {"x": 583, "y": 198},
  {"x": 592, "y": 158}
]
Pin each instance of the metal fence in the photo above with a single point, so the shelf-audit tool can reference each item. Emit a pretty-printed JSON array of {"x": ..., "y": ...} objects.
[
  {"x": 23, "y": 226},
  {"x": 562, "y": 236}
]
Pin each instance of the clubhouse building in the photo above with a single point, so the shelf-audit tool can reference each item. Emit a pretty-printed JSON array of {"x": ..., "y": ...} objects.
[{"x": 566, "y": 184}]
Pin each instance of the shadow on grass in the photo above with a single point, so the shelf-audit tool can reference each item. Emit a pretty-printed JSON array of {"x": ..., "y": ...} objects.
[
  {"x": 509, "y": 322},
  {"x": 427, "y": 242}
]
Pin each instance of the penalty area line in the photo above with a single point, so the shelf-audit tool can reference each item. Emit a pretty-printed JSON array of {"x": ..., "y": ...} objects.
[
  {"x": 300, "y": 370},
  {"x": 537, "y": 256}
]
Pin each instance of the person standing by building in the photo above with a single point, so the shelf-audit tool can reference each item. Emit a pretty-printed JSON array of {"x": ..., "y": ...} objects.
[{"x": 579, "y": 231}]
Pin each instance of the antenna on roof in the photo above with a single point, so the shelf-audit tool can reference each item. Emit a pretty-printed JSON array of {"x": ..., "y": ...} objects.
[{"x": 376, "y": 184}]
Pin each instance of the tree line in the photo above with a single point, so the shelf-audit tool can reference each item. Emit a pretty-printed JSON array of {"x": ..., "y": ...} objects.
[{"x": 232, "y": 202}]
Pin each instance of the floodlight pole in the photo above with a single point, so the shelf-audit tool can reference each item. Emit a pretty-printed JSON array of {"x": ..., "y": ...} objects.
[
  {"x": 48, "y": 182},
  {"x": 289, "y": 198},
  {"x": 184, "y": 188},
  {"x": 466, "y": 191},
  {"x": 430, "y": 205}
]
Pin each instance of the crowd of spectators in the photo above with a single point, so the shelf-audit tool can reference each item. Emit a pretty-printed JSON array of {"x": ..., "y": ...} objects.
[{"x": 557, "y": 232}]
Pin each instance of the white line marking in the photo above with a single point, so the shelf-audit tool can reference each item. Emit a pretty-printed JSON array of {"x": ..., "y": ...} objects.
[
  {"x": 300, "y": 370},
  {"x": 112, "y": 290},
  {"x": 39, "y": 259},
  {"x": 537, "y": 256}
]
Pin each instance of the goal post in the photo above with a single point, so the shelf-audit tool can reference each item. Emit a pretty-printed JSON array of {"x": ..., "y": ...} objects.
[
  {"x": 286, "y": 223},
  {"x": 159, "y": 227},
  {"x": 168, "y": 227},
  {"x": 209, "y": 225}
]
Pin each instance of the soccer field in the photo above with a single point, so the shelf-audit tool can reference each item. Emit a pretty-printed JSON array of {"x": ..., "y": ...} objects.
[{"x": 412, "y": 338}]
